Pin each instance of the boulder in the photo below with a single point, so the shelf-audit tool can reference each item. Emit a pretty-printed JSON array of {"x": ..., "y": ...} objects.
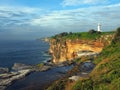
[
  {"x": 86, "y": 66},
  {"x": 18, "y": 71},
  {"x": 45, "y": 68},
  {"x": 2, "y": 87},
  {"x": 8, "y": 78},
  {"x": 3, "y": 70},
  {"x": 74, "y": 78},
  {"x": 49, "y": 63},
  {"x": 20, "y": 66},
  {"x": 8, "y": 75}
]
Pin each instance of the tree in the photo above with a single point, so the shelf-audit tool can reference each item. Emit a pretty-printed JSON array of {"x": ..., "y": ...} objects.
[{"x": 92, "y": 31}]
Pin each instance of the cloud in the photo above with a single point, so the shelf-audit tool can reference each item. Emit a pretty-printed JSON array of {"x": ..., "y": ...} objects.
[
  {"x": 25, "y": 20},
  {"x": 81, "y": 19},
  {"x": 13, "y": 16},
  {"x": 80, "y": 2}
]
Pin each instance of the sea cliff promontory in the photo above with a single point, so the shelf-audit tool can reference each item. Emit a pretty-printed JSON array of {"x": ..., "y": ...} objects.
[
  {"x": 105, "y": 73},
  {"x": 69, "y": 46}
]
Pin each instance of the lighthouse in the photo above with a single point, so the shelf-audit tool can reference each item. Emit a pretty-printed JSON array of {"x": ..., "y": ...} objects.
[{"x": 99, "y": 27}]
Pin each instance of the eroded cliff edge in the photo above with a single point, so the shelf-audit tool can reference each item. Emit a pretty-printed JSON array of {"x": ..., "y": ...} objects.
[{"x": 63, "y": 49}]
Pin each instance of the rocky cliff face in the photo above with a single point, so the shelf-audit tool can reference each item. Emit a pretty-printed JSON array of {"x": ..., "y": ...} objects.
[{"x": 62, "y": 50}]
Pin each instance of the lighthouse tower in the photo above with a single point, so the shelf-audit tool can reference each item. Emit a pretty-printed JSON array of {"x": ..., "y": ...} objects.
[{"x": 99, "y": 28}]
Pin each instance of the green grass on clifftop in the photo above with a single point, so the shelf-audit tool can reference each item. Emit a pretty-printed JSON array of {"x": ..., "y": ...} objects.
[{"x": 81, "y": 35}]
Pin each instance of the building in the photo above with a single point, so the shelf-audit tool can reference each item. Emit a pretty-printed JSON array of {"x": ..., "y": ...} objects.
[{"x": 99, "y": 28}]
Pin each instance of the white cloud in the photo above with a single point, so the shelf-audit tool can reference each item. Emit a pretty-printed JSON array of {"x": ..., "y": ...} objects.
[
  {"x": 80, "y": 2},
  {"x": 60, "y": 20},
  {"x": 81, "y": 18},
  {"x": 17, "y": 9},
  {"x": 11, "y": 16}
]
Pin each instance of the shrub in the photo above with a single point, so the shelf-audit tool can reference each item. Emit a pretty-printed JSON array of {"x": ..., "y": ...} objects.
[{"x": 92, "y": 31}]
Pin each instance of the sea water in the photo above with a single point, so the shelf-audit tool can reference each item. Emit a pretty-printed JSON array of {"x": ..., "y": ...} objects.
[
  {"x": 23, "y": 51},
  {"x": 29, "y": 52}
]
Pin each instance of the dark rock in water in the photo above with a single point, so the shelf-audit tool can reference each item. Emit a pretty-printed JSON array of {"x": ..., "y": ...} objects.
[
  {"x": 86, "y": 66},
  {"x": 3, "y": 70},
  {"x": 48, "y": 63},
  {"x": 45, "y": 68},
  {"x": 48, "y": 60},
  {"x": 20, "y": 66}
]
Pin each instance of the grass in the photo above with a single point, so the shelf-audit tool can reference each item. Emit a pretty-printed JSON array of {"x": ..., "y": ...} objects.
[
  {"x": 58, "y": 85},
  {"x": 80, "y": 35},
  {"x": 106, "y": 74}
]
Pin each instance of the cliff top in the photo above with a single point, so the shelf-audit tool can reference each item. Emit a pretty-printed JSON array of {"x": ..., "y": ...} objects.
[{"x": 91, "y": 35}]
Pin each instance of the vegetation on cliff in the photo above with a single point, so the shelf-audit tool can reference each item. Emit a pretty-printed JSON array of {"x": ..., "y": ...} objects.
[
  {"x": 81, "y": 35},
  {"x": 106, "y": 74}
]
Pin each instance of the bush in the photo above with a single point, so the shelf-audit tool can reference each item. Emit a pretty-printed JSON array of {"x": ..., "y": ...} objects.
[{"x": 92, "y": 31}]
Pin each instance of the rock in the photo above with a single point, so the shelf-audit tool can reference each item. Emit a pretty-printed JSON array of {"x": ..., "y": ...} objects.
[
  {"x": 86, "y": 66},
  {"x": 48, "y": 63},
  {"x": 74, "y": 78},
  {"x": 65, "y": 63},
  {"x": 8, "y": 75},
  {"x": 2, "y": 87},
  {"x": 8, "y": 78},
  {"x": 45, "y": 68},
  {"x": 87, "y": 53},
  {"x": 19, "y": 71},
  {"x": 20, "y": 66},
  {"x": 60, "y": 64},
  {"x": 3, "y": 70}
]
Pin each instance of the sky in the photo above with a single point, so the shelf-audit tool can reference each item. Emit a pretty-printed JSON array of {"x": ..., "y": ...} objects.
[{"x": 31, "y": 19}]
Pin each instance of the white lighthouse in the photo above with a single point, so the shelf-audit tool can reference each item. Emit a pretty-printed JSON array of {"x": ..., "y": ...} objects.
[{"x": 99, "y": 28}]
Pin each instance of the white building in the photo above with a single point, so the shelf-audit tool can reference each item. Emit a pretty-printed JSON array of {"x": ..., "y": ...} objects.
[{"x": 99, "y": 28}]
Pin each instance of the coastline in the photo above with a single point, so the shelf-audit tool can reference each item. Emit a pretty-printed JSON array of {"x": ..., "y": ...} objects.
[
  {"x": 20, "y": 71},
  {"x": 23, "y": 70}
]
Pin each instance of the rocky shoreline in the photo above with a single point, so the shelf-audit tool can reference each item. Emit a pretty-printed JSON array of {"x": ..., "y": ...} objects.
[{"x": 18, "y": 71}]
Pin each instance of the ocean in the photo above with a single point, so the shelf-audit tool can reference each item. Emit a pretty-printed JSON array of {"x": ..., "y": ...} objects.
[
  {"x": 29, "y": 52},
  {"x": 23, "y": 51}
]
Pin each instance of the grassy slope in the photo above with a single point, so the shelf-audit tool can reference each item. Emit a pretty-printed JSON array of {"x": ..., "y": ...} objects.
[{"x": 106, "y": 74}]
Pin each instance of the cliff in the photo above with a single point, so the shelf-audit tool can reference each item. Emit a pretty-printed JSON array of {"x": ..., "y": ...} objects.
[
  {"x": 104, "y": 76},
  {"x": 63, "y": 49}
]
